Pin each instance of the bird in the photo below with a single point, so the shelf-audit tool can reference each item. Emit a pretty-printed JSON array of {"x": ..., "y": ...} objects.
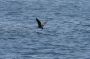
[{"x": 40, "y": 24}]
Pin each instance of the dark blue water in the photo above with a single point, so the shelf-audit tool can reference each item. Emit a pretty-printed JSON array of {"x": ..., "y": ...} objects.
[{"x": 65, "y": 36}]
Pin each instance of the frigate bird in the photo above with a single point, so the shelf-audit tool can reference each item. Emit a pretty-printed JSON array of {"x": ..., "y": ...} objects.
[{"x": 40, "y": 25}]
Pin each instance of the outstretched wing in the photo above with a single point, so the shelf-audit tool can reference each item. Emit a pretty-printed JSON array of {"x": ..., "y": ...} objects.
[
  {"x": 44, "y": 23},
  {"x": 39, "y": 23}
]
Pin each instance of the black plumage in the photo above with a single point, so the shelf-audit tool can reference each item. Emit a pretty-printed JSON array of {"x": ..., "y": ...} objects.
[{"x": 39, "y": 23}]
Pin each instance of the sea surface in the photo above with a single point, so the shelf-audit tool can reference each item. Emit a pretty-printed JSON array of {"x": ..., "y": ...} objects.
[{"x": 65, "y": 36}]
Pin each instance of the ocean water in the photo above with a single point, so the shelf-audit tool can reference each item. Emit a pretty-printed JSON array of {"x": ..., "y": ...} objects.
[{"x": 65, "y": 36}]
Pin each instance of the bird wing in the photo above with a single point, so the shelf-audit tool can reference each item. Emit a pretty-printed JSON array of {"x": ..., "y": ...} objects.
[
  {"x": 43, "y": 23},
  {"x": 38, "y": 22}
]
